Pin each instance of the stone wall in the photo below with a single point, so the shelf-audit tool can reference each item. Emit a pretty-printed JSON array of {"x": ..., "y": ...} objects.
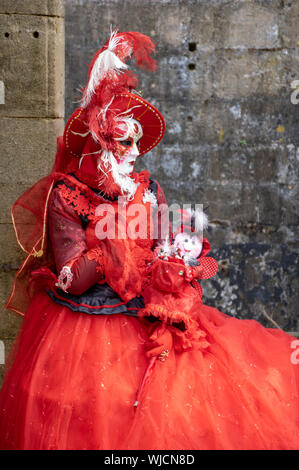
[
  {"x": 224, "y": 85},
  {"x": 31, "y": 117}
]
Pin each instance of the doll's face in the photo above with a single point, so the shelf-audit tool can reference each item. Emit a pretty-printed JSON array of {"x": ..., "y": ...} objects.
[{"x": 190, "y": 245}]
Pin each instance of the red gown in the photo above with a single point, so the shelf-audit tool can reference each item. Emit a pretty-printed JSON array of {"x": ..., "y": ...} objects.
[{"x": 74, "y": 376}]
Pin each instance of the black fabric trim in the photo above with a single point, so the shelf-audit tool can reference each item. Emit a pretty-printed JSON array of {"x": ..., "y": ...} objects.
[
  {"x": 84, "y": 218},
  {"x": 153, "y": 187},
  {"x": 96, "y": 190},
  {"x": 99, "y": 299}
]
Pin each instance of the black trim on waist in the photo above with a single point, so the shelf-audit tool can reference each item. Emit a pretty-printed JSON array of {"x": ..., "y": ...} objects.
[{"x": 100, "y": 299}]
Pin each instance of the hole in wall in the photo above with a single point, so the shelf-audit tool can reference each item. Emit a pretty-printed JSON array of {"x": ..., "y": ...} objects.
[
  {"x": 6, "y": 35},
  {"x": 36, "y": 34},
  {"x": 191, "y": 66},
  {"x": 192, "y": 46}
]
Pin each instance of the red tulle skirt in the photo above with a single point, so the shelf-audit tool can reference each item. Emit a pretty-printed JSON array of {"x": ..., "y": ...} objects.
[{"x": 74, "y": 378}]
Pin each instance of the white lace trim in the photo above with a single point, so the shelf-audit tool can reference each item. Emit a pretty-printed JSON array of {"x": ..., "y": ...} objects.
[
  {"x": 149, "y": 197},
  {"x": 65, "y": 278}
]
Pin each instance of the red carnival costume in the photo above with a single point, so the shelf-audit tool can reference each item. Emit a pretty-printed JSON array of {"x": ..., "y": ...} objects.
[{"x": 108, "y": 325}]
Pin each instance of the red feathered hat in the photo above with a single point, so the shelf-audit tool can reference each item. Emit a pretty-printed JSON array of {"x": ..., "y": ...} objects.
[{"x": 109, "y": 95}]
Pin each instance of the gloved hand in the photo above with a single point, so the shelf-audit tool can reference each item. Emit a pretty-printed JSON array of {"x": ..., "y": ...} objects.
[
  {"x": 194, "y": 272},
  {"x": 160, "y": 341}
]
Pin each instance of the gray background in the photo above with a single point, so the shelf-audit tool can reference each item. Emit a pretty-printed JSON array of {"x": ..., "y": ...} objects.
[{"x": 232, "y": 141}]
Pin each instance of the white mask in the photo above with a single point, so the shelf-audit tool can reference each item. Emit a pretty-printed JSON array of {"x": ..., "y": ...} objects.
[{"x": 190, "y": 246}]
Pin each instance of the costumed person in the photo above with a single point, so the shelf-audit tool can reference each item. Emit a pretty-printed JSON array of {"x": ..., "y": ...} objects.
[{"x": 104, "y": 359}]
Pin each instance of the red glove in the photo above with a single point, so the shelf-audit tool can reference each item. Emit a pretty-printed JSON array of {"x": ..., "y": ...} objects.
[
  {"x": 160, "y": 341},
  {"x": 197, "y": 272}
]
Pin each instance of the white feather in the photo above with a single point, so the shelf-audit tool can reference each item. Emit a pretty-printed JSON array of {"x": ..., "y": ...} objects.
[
  {"x": 106, "y": 62},
  {"x": 79, "y": 133},
  {"x": 149, "y": 197},
  {"x": 164, "y": 249},
  {"x": 114, "y": 41},
  {"x": 104, "y": 110},
  {"x": 201, "y": 221},
  {"x": 200, "y": 218},
  {"x": 124, "y": 181}
]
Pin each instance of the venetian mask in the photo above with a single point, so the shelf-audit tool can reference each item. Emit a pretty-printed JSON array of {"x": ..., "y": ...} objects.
[{"x": 127, "y": 145}]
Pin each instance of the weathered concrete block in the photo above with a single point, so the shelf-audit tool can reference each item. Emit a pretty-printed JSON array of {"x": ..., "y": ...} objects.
[
  {"x": 28, "y": 148},
  {"x": 278, "y": 204},
  {"x": 173, "y": 25},
  {"x": 239, "y": 232},
  {"x": 243, "y": 75},
  {"x": 286, "y": 163},
  {"x": 239, "y": 25},
  {"x": 187, "y": 79},
  {"x": 253, "y": 279},
  {"x": 230, "y": 201},
  {"x": 9, "y": 193},
  {"x": 215, "y": 176},
  {"x": 33, "y": 7},
  {"x": 201, "y": 29},
  {"x": 31, "y": 117},
  {"x": 268, "y": 205},
  {"x": 8, "y": 345},
  {"x": 32, "y": 56},
  {"x": 288, "y": 26},
  {"x": 225, "y": 164},
  {"x": 241, "y": 164},
  {"x": 11, "y": 255},
  {"x": 56, "y": 67},
  {"x": 258, "y": 120},
  {"x": 237, "y": 123},
  {"x": 169, "y": 165},
  {"x": 289, "y": 199},
  {"x": 9, "y": 321}
]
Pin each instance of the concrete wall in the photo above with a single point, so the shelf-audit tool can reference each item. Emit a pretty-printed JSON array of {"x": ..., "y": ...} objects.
[
  {"x": 31, "y": 117},
  {"x": 224, "y": 87}
]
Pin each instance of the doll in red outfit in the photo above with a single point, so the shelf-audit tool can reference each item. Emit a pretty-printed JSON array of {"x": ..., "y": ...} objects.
[
  {"x": 108, "y": 324},
  {"x": 174, "y": 294}
]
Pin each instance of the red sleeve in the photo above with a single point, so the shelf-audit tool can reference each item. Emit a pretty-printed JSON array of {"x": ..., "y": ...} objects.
[{"x": 78, "y": 269}]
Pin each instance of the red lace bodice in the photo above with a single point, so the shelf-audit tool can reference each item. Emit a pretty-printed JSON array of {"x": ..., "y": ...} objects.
[{"x": 119, "y": 261}]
